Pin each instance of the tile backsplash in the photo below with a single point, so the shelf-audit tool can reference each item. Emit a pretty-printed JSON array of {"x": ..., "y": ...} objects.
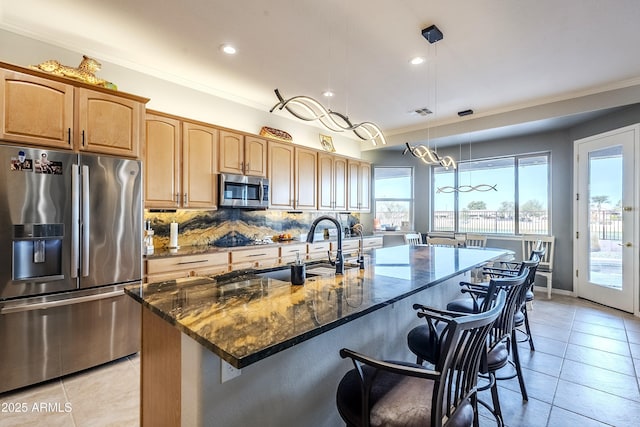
[{"x": 236, "y": 227}]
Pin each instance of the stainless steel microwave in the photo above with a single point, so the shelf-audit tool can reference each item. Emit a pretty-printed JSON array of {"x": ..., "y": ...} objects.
[{"x": 242, "y": 191}]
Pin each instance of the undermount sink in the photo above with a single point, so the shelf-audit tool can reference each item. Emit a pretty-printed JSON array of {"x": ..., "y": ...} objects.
[{"x": 311, "y": 270}]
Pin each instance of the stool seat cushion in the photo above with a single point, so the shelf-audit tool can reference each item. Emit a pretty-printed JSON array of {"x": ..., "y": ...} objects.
[
  {"x": 529, "y": 296},
  {"x": 518, "y": 319},
  {"x": 464, "y": 305},
  {"x": 424, "y": 344},
  {"x": 497, "y": 357},
  {"x": 396, "y": 400}
]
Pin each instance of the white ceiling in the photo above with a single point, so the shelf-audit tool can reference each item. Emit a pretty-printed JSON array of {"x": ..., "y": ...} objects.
[{"x": 497, "y": 56}]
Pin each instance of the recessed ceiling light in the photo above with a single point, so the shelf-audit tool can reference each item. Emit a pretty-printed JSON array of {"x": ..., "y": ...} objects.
[
  {"x": 228, "y": 49},
  {"x": 328, "y": 93},
  {"x": 417, "y": 60}
]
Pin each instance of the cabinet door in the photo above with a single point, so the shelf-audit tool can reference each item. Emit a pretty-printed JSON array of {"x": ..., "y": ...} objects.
[
  {"x": 255, "y": 156},
  {"x": 353, "y": 174},
  {"x": 281, "y": 177},
  {"x": 199, "y": 166},
  {"x": 35, "y": 110},
  {"x": 162, "y": 162},
  {"x": 365, "y": 187},
  {"x": 108, "y": 123},
  {"x": 231, "y": 152},
  {"x": 306, "y": 177},
  {"x": 340, "y": 183},
  {"x": 326, "y": 189}
]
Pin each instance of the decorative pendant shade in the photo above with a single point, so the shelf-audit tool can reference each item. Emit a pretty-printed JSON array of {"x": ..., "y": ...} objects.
[
  {"x": 308, "y": 109},
  {"x": 429, "y": 156}
]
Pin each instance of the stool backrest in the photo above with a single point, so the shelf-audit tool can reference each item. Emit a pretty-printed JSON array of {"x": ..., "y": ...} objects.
[
  {"x": 515, "y": 288},
  {"x": 465, "y": 343}
]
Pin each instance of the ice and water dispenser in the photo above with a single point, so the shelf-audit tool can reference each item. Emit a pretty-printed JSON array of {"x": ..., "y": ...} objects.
[{"x": 37, "y": 251}]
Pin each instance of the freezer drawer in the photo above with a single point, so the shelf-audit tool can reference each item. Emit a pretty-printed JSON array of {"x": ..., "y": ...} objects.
[{"x": 47, "y": 337}]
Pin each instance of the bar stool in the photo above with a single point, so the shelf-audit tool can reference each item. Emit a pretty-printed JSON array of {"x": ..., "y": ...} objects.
[
  {"x": 391, "y": 394},
  {"x": 501, "y": 342}
]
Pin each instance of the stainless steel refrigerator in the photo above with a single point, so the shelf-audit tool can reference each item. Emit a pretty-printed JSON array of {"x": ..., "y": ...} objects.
[{"x": 70, "y": 240}]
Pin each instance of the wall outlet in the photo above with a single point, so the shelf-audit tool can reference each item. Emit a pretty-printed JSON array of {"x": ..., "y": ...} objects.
[{"x": 228, "y": 372}]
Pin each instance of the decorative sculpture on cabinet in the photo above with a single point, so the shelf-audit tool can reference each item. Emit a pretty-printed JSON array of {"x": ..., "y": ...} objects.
[{"x": 85, "y": 72}]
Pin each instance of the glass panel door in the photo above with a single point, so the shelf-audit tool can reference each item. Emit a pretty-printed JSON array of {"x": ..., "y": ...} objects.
[
  {"x": 605, "y": 217},
  {"x": 605, "y": 249}
]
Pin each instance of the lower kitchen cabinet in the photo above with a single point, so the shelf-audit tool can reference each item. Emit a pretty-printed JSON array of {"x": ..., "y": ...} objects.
[
  {"x": 177, "y": 267},
  {"x": 260, "y": 257}
]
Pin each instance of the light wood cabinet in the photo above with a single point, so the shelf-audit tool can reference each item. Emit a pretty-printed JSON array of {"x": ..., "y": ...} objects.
[
  {"x": 162, "y": 167},
  {"x": 350, "y": 247},
  {"x": 306, "y": 178},
  {"x": 176, "y": 267},
  {"x": 332, "y": 182},
  {"x": 199, "y": 166},
  {"x": 290, "y": 252},
  {"x": 108, "y": 124},
  {"x": 359, "y": 189},
  {"x": 369, "y": 243},
  {"x": 244, "y": 155},
  {"x": 55, "y": 112},
  {"x": 255, "y": 257},
  {"x": 181, "y": 164},
  {"x": 281, "y": 175},
  {"x": 318, "y": 250},
  {"x": 35, "y": 110}
]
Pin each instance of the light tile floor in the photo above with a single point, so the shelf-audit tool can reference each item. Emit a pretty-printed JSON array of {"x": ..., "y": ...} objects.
[
  {"x": 108, "y": 395},
  {"x": 584, "y": 372}
]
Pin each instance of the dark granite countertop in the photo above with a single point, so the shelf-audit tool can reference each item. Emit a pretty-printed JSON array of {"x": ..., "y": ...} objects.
[{"x": 244, "y": 318}]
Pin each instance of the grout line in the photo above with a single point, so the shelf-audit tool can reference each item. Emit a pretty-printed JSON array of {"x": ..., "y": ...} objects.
[{"x": 66, "y": 396}]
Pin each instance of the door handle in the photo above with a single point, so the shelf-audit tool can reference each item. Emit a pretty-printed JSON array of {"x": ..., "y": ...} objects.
[
  {"x": 86, "y": 224},
  {"x": 60, "y": 303},
  {"x": 75, "y": 219},
  {"x": 628, "y": 244}
]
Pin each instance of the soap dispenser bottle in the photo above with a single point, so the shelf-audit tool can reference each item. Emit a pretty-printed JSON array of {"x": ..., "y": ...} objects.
[{"x": 298, "y": 271}]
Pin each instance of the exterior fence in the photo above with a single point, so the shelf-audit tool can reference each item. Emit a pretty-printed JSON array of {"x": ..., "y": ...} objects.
[{"x": 606, "y": 224}]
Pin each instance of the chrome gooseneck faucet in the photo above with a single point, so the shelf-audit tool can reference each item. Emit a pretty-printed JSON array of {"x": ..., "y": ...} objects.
[
  {"x": 339, "y": 261},
  {"x": 358, "y": 229}
]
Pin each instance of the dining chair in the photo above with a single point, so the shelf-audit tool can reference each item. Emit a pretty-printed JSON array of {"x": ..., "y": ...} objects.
[
  {"x": 394, "y": 394},
  {"x": 475, "y": 240},
  {"x": 444, "y": 241},
  {"x": 413, "y": 239},
  {"x": 531, "y": 242}
]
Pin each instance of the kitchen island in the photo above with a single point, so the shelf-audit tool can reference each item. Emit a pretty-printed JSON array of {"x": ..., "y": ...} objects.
[{"x": 197, "y": 333}]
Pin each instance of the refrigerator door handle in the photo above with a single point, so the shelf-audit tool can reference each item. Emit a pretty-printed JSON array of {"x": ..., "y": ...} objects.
[
  {"x": 75, "y": 220},
  {"x": 85, "y": 221},
  {"x": 53, "y": 304}
]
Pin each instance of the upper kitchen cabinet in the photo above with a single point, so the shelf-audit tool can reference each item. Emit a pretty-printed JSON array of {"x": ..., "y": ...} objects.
[
  {"x": 108, "y": 124},
  {"x": 35, "y": 110},
  {"x": 359, "y": 193},
  {"x": 332, "y": 182},
  {"x": 162, "y": 183},
  {"x": 306, "y": 178},
  {"x": 181, "y": 163},
  {"x": 243, "y": 155},
  {"x": 52, "y": 111},
  {"x": 281, "y": 175},
  {"x": 199, "y": 166}
]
